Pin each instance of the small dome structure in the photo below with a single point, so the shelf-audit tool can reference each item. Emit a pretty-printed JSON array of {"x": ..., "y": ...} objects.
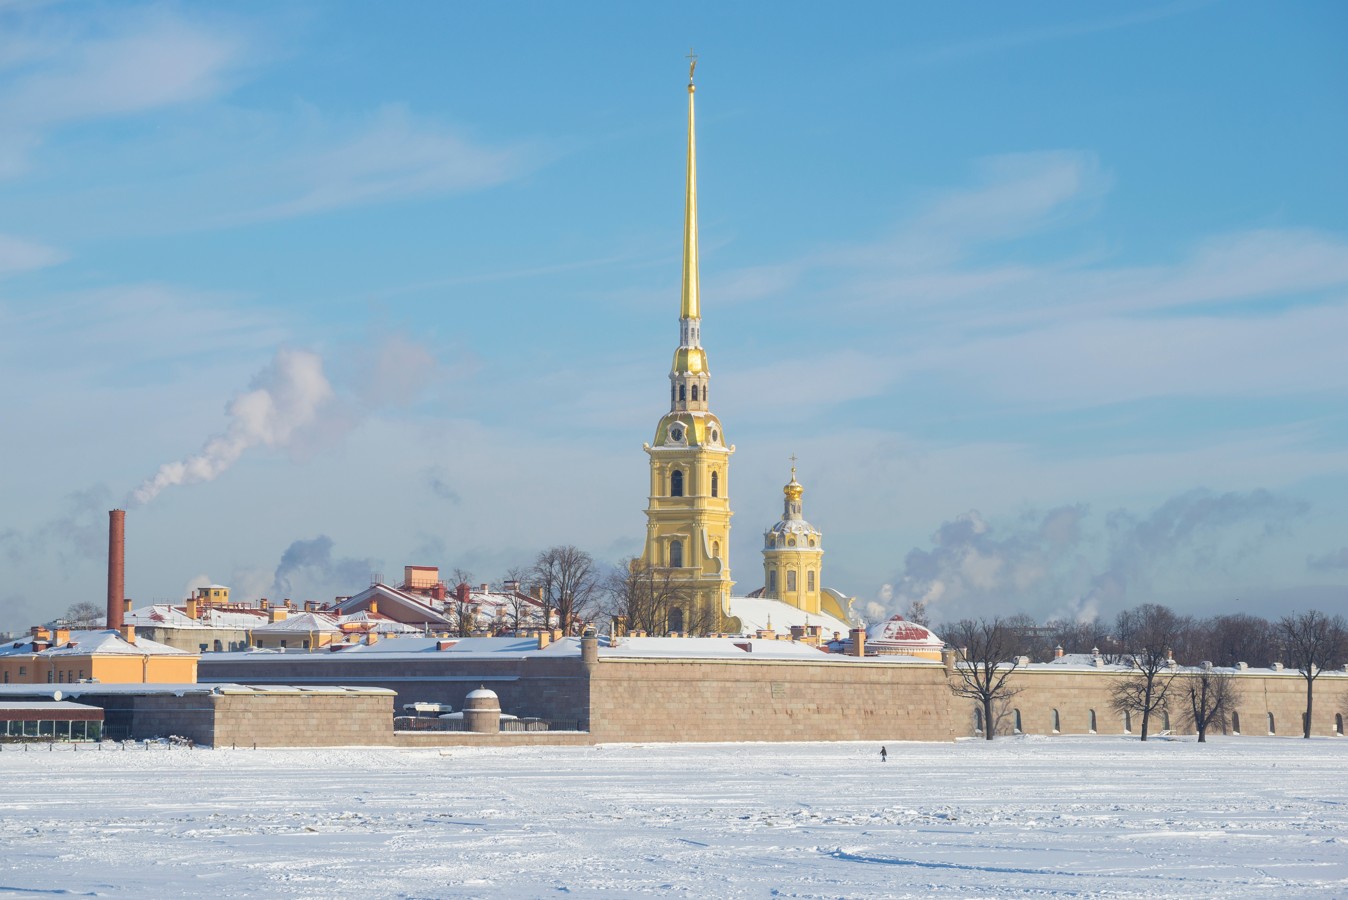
[{"x": 899, "y": 637}]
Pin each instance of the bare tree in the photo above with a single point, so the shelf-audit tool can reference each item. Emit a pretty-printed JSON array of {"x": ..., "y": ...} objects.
[
  {"x": 1312, "y": 642},
  {"x": 646, "y": 595},
  {"x": 521, "y": 612},
  {"x": 1146, "y": 635},
  {"x": 1209, "y": 697},
  {"x": 985, "y": 657},
  {"x": 1230, "y": 639},
  {"x": 84, "y": 615},
  {"x": 917, "y": 613},
  {"x": 569, "y": 582}
]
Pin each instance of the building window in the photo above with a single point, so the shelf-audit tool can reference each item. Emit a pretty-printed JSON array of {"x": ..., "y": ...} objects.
[
  {"x": 791, "y": 579},
  {"x": 772, "y": 589},
  {"x": 676, "y": 484},
  {"x": 1338, "y": 722},
  {"x": 1235, "y": 723},
  {"x": 1165, "y": 720},
  {"x": 671, "y": 392},
  {"x": 1057, "y": 722},
  {"x": 1272, "y": 729},
  {"x": 51, "y": 677},
  {"x": 1016, "y": 716},
  {"x": 676, "y": 554},
  {"x": 23, "y": 670},
  {"x": 218, "y": 646},
  {"x": 716, "y": 484},
  {"x": 694, "y": 393},
  {"x": 1127, "y": 723},
  {"x": 676, "y": 619},
  {"x": 791, "y": 541},
  {"x": 716, "y": 549},
  {"x": 978, "y": 720},
  {"x": 6, "y": 677},
  {"x": 283, "y": 645},
  {"x": 809, "y": 581},
  {"x": 1092, "y": 721},
  {"x": 682, "y": 393}
]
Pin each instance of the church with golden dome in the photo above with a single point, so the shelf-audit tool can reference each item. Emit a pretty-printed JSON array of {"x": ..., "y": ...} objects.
[{"x": 688, "y": 511}]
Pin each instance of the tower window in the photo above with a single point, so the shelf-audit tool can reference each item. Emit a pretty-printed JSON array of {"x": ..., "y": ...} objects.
[
  {"x": 676, "y": 554},
  {"x": 716, "y": 549},
  {"x": 676, "y": 619},
  {"x": 682, "y": 393},
  {"x": 676, "y": 484},
  {"x": 772, "y": 583},
  {"x": 671, "y": 392},
  {"x": 791, "y": 579},
  {"x": 694, "y": 393},
  {"x": 715, "y": 484},
  {"x": 809, "y": 581}
]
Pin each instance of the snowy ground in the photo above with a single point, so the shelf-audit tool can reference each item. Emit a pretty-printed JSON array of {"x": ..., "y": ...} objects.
[{"x": 1101, "y": 816}]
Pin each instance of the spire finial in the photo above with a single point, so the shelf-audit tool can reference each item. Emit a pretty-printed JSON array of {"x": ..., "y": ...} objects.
[
  {"x": 793, "y": 467},
  {"x": 692, "y": 64}
]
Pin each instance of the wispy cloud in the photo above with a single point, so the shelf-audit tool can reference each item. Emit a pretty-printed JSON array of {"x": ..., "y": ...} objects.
[
  {"x": 18, "y": 255},
  {"x": 392, "y": 156},
  {"x": 995, "y": 43},
  {"x": 103, "y": 67},
  {"x": 1334, "y": 561}
]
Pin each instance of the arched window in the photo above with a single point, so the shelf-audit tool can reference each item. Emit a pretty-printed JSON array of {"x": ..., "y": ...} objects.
[
  {"x": 1165, "y": 720},
  {"x": 1235, "y": 723},
  {"x": 1057, "y": 722},
  {"x": 671, "y": 392},
  {"x": 809, "y": 580},
  {"x": 694, "y": 393},
  {"x": 772, "y": 583},
  {"x": 716, "y": 549},
  {"x": 1016, "y": 716},
  {"x": 676, "y": 554},
  {"x": 676, "y": 619},
  {"x": 682, "y": 393},
  {"x": 978, "y": 720},
  {"x": 1127, "y": 723},
  {"x": 676, "y": 484},
  {"x": 1338, "y": 724},
  {"x": 1092, "y": 721},
  {"x": 1271, "y": 728},
  {"x": 716, "y": 484},
  {"x": 772, "y": 540},
  {"x": 790, "y": 579}
]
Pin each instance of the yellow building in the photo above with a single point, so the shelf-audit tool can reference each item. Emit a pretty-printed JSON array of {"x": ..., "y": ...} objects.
[
  {"x": 61, "y": 656},
  {"x": 688, "y": 516}
]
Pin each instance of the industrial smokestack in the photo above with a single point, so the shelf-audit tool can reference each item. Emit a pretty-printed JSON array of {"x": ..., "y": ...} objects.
[{"x": 116, "y": 566}]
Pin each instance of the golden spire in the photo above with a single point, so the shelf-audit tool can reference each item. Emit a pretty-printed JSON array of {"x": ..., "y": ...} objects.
[
  {"x": 691, "y": 306},
  {"x": 794, "y": 489}
]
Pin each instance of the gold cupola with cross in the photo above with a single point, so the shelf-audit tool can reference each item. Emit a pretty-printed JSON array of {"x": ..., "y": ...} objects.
[{"x": 688, "y": 514}]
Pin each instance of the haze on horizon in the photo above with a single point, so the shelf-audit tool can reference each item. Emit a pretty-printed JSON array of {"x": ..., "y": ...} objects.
[{"x": 1051, "y": 304}]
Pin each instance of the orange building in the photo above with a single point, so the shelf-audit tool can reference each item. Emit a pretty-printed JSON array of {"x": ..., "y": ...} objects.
[{"x": 61, "y": 656}]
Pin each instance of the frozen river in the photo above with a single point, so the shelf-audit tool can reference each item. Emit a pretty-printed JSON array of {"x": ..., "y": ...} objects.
[{"x": 1090, "y": 816}]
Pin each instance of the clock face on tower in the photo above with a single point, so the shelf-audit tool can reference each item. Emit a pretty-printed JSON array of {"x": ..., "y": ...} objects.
[{"x": 676, "y": 433}]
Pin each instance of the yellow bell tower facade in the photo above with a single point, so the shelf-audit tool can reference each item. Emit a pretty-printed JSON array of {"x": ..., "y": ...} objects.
[{"x": 688, "y": 515}]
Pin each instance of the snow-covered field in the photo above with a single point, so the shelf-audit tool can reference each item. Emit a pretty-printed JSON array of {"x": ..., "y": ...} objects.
[{"x": 1099, "y": 816}]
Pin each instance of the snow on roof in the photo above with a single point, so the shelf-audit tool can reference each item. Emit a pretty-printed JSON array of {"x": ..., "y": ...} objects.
[
  {"x": 178, "y": 690},
  {"x": 42, "y": 706},
  {"x": 302, "y": 622},
  {"x": 714, "y": 648},
  {"x": 900, "y": 633},
  {"x": 86, "y": 643},
  {"x": 754, "y": 613}
]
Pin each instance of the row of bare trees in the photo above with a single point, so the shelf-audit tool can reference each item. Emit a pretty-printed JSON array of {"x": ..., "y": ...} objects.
[
  {"x": 575, "y": 590},
  {"x": 1151, "y": 641}
]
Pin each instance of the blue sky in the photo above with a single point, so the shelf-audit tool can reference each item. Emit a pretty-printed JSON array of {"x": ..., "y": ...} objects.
[{"x": 1051, "y": 302}]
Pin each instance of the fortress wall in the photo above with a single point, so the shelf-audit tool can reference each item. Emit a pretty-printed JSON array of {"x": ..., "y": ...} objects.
[
  {"x": 303, "y": 720},
  {"x": 528, "y": 686},
  {"x": 768, "y": 700},
  {"x": 1075, "y": 693}
]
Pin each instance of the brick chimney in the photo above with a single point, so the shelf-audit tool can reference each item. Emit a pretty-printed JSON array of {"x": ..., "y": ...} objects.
[
  {"x": 129, "y": 633},
  {"x": 858, "y": 636},
  {"x": 116, "y": 566}
]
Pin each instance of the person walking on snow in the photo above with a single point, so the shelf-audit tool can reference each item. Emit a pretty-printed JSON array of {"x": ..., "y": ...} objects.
[{"x": 883, "y": 754}]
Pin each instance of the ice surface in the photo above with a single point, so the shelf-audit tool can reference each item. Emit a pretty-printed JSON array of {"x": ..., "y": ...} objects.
[{"x": 1084, "y": 817}]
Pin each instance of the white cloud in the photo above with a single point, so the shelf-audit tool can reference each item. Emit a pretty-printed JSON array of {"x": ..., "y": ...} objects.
[
  {"x": 17, "y": 255},
  {"x": 393, "y": 156},
  {"x": 124, "y": 65}
]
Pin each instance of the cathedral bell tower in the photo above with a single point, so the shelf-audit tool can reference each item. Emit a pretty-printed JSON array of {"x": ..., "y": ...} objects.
[
  {"x": 793, "y": 554},
  {"x": 688, "y": 515}
]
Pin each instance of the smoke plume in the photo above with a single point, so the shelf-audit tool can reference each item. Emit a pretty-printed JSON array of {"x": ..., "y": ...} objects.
[{"x": 282, "y": 399}]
